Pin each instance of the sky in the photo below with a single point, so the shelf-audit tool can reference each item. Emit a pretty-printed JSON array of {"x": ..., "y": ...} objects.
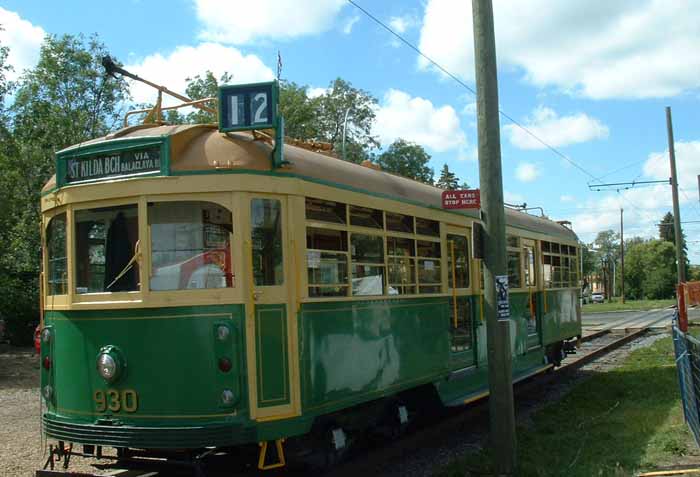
[{"x": 591, "y": 79}]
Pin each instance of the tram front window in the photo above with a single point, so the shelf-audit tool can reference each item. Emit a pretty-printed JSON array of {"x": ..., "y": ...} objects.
[
  {"x": 106, "y": 249},
  {"x": 190, "y": 245},
  {"x": 56, "y": 248}
]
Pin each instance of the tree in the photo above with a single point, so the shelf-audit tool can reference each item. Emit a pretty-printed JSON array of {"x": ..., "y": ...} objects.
[
  {"x": 340, "y": 101},
  {"x": 650, "y": 270},
  {"x": 301, "y": 113},
  {"x": 407, "y": 159},
  {"x": 464, "y": 185},
  {"x": 448, "y": 180},
  {"x": 607, "y": 247},
  {"x": 667, "y": 232},
  {"x": 64, "y": 100}
]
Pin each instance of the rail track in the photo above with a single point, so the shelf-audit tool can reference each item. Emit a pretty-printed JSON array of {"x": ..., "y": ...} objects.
[{"x": 428, "y": 433}]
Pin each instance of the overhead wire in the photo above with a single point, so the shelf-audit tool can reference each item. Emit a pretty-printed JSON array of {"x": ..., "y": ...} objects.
[
  {"x": 500, "y": 111},
  {"x": 472, "y": 90}
]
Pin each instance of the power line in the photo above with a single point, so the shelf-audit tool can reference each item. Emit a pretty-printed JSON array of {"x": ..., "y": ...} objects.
[{"x": 471, "y": 90}]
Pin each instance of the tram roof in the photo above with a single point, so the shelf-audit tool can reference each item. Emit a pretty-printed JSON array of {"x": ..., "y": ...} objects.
[{"x": 202, "y": 148}]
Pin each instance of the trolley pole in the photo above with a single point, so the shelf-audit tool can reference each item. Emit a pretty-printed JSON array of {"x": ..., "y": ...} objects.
[
  {"x": 680, "y": 259},
  {"x": 622, "y": 255},
  {"x": 501, "y": 414}
]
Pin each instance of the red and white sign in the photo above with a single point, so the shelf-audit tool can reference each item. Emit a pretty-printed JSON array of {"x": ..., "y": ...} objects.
[{"x": 461, "y": 199}]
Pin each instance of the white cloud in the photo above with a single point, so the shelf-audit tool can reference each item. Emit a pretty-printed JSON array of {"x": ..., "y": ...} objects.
[
  {"x": 567, "y": 198},
  {"x": 658, "y": 166},
  {"x": 188, "y": 61},
  {"x": 418, "y": 120},
  {"x": 527, "y": 172},
  {"x": 598, "y": 49},
  {"x": 402, "y": 23},
  {"x": 469, "y": 109},
  {"x": 556, "y": 130},
  {"x": 316, "y": 92},
  {"x": 246, "y": 22},
  {"x": 513, "y": 198},
  {"x": 23, "y": 39},
  {"x": 349, "y": 23},
  {"x": 644, "y": 206}
]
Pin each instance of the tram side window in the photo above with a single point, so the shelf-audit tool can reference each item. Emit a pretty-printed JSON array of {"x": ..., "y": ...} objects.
[
  {"x": 401, "y": 256},
  {"x": 427, "y": 227},
  {"x": 266, "y": 237},
  {"x": 399, "y": 223},
  {"x": 514, "y": 261},
  {"x": 365, "y": 217},
  {"x": 326, "y": 211},
  {"x": 367, "y": 252},
  {"x": 429, "y": 269},
  {"x": 327, "y": 262},
  {"x": 457, "y": 253},
  {"x": 529, "y": 266},
  {"x": 190, "y": 245},
  {"x": 106, "y": 249},
  {"x": 560, "y": 265},
  {"x": 57, "y": 257}
]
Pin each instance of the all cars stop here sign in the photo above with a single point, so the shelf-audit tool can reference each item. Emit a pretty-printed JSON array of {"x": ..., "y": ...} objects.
[{"x": 461, "y": 199}]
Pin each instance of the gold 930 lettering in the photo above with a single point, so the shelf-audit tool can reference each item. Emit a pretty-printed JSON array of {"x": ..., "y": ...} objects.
[{"x": 114, "y": 400}]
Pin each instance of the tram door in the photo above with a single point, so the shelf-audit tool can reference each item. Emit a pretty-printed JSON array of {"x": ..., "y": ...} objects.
[
  {"x": 271, "y": 323},
  {"x": 461, "y": 307}
]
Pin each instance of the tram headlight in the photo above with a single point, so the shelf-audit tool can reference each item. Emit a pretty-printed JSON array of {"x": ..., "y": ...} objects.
[
  {"x": 47, "y": 392},
  {"x": 227, "y": 396},
  {"x": 110, "y": 364},
  {"x": 222, "y": 332},
  {"x": 46, "y": 335},
  {"x": 107, "y": 367}
]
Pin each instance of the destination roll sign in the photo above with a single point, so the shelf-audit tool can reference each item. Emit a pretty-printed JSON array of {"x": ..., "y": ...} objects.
[
  {"x": 248, "y": 106},
  {"x": 113, "y": 164}
]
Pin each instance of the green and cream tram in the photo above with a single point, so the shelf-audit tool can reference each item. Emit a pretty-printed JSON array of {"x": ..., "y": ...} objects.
[{"x": 197, "y": 297}]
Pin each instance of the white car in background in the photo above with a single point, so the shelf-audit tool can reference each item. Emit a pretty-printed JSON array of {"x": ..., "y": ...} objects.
[{"x": 597, "y": 297}]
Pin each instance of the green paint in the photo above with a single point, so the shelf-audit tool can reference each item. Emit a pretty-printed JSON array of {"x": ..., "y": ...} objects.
[
  {"x": 359, "y": 350},
  {"x": 350, "y": 352},
  {"x": 271, "y": 354},
  {"x": 562, "y": 319}
]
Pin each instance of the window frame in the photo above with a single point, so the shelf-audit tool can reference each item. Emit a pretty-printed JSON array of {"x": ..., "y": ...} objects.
[{"x": 385, "y": 233}]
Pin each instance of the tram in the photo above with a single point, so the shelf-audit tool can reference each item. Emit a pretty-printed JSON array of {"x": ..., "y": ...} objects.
[{"x": 199, "y": 294}]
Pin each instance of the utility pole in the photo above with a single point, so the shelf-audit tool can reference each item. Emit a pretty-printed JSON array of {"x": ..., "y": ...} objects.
[
  {"x": 501, "y": 414},
  {"x": 680, "y": 260},
  {"x": 622, "y": 255}
]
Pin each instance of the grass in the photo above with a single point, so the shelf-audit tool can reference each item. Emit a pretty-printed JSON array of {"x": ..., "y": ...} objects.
[
  {"x": 616, "y": 423},
  {"x": 617, "y": 305}
]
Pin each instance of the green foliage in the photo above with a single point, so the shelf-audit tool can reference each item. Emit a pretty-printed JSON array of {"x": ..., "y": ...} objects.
[
  {"x": 448, "y": 180},
  {"x": 299, "y": 111},
  {"x": 667, "y": 232},
  {"x": 650, "y": 270},
  {"x": 340, "y": 101},
  {"x": 407, "y": 159},
  {"x": 617, "y": 423},
  {"x": 64, "y": 100}
]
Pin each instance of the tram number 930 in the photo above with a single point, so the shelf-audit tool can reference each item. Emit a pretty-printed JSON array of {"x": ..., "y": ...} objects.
[{"x": 113, "y": 400}]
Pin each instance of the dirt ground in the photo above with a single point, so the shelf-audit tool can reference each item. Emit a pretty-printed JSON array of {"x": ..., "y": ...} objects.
[{"x": 21, "y": 447}]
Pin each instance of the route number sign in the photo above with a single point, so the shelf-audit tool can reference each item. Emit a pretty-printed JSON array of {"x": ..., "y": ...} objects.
[
  {"x": 461, "y": 199},
  {"x": 248, "y": 106}
]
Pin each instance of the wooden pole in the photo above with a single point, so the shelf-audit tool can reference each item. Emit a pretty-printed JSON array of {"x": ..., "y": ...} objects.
[
  {"x": 502, "y": 418},
  {"x": 622, "y": 255},
  {"x": 680, "y": 259}
]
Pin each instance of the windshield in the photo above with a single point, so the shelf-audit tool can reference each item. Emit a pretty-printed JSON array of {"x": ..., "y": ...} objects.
[{"x": 106, "y": 242}]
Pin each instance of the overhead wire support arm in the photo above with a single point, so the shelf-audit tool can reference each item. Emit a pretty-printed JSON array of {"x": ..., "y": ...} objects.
[
  {"x": 111, "y": 68},
  {"x": 624, "y": 185}
]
